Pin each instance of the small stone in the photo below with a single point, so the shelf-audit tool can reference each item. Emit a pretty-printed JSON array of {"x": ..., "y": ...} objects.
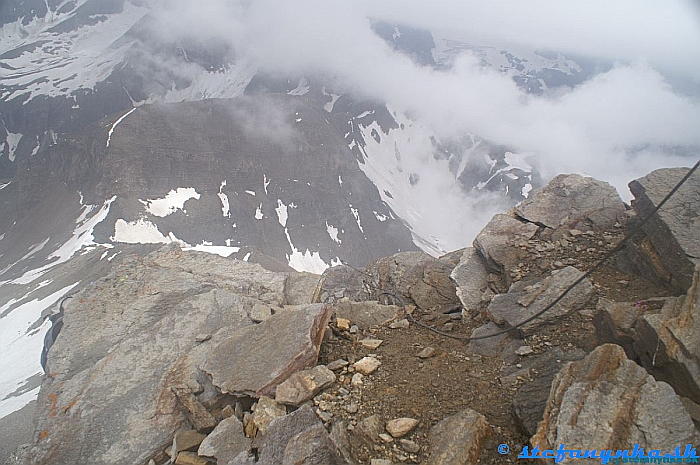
[
  {"x": 266, "y": 410},
  {"x": 386, "y": 437},
  {"x": 371, "y": 343},
  {"x": 337, "y": 365},
  {"x": 455, "y": 316},
  {"x": 518, "y": 365},
  {"x": 352, "y": 408},
  {"x": 400, "y": 427},
  {"x": 409, "y": 446},
  {"x": 238, "y": 410},
  {"x": 343, "y": 392},
  {"x": 227, "y": 412},
  {"x": 199, "y": 338},
  {"x": 303, "y": 385},
  {"x": 381, "y": 462},
  {"x": 190, "y": 458},
  {"x": 260, "y": 313},
  {"x": 400, "y": 324},
  {"x": 325, "y": 416},
  {"x": 354, "y": 329},
  {"x": 523, "y": 350},
  {"x": 366, "y": 365},
  {"x": 448, "y": 326},
  {"x": 186, "y": 440},
  {"x": 426, "y": 353},
  {"x": 575, "y": 232},
  {"x": 357, "y": 379},
  {"x": 342, "y": 323}
]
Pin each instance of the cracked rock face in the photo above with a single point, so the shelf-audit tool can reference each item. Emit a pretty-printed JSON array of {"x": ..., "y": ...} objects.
[
  {"x": 609, "y": 401},
  {"x": 526, "y": 299},
  {"x": 671, "y": 247},
  {"x": 124, "y": 369},
  {"x": 416, "y": 277},
  {"x": 572, "y": 201}
]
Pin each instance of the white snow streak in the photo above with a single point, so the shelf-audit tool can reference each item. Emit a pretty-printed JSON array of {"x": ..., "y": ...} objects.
[
  {"x": 282, "y": 213},
  {"x": 224, "y": 201},
  {"x": 111, "y": 130},
  {"x": 356, "y": 214}
]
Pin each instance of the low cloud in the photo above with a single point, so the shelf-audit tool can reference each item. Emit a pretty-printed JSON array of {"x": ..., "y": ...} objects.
[{"x": 615, "y": 126}]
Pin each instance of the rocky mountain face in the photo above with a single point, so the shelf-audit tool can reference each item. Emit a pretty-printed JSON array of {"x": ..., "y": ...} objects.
[
  {"x": 190, "y": 358},
  {"x": 71, "y": 68}
]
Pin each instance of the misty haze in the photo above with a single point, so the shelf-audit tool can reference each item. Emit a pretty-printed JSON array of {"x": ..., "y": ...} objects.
[{"x": 184, "y": 183}]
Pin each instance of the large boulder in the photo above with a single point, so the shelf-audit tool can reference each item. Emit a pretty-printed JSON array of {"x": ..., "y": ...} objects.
[
  {"x": 571, "y": 201},
  {"x": 606, "y": 401},
  {"x": 268, "y": 353},
  {"x": 298, "y": 438},
  {"x": 668, "y": 342},
  {"x": 123, "y": 373},
  {"x": 500, "y": 243},
  {"x": 661, "y": 334},
  {"x": 417, "y": 278},
  {"x": 471, "y": 279},
  {"x": 670, "y": 249},
  {"x": 525, "y": 299},
  {"x": 457, "y": 440}
]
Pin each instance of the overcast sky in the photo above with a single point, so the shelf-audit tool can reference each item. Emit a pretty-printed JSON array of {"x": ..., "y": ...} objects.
[{"x": 641, "y": 114}]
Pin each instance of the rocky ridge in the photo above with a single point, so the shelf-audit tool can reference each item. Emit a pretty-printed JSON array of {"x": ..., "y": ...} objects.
[{"x": 187, "y": 358}]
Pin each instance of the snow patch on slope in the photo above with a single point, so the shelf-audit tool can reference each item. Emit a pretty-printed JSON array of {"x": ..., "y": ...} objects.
[
  {"x": 333, "y": 232},
  {"x": 82, "y": 238},
  {"x": 64, "y": 62},
  {"x": 308, "y": 261},
  {"x": 172, "y": 202},
  {"x": 21, "y": 348},
  {"x": 225, "y": 207},
  {"x": 12, "y": 142}
]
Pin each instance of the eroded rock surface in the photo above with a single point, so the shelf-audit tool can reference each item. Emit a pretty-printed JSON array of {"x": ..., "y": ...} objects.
[
  {"x": 571, "y": 201},
  {"x": 124, "y": 373},
  {"x": 471, "y": 278},
  {"x": 524, "y": 300},
  {"x": 269, "y": 352},
  {"x": 458, "y": 439},
  {"x": 670, "y": 251},
  {"x": 610, "y": 401}
]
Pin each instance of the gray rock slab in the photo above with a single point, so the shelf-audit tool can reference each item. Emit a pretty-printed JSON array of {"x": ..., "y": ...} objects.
[
  {"x": 502, "y": 344},
  {"x": 126, "y": 341},
  {"x": 674, "y": 232},
  {"x": 608, "y": 400},
  {"x": 457, "y": 439},
  {"x": 303, "y": 385},
  {"x": 416, "y": 277},
  {"x": 525, "y": 299},
  {"x": 668, "y": 343},
  {"x": 530, "y": 400},
  {"x": 498, "y": 242},
  {"x": 256, "y": 359},
  {"x": 470, "y": 277},
  {"x": 571, "y": 201},
  {"x": 366, "y": 314},
  {"x": 291, "y": 438},
  {"x": 226, "y": 442},
  {"x": 302, "y": 288}
]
